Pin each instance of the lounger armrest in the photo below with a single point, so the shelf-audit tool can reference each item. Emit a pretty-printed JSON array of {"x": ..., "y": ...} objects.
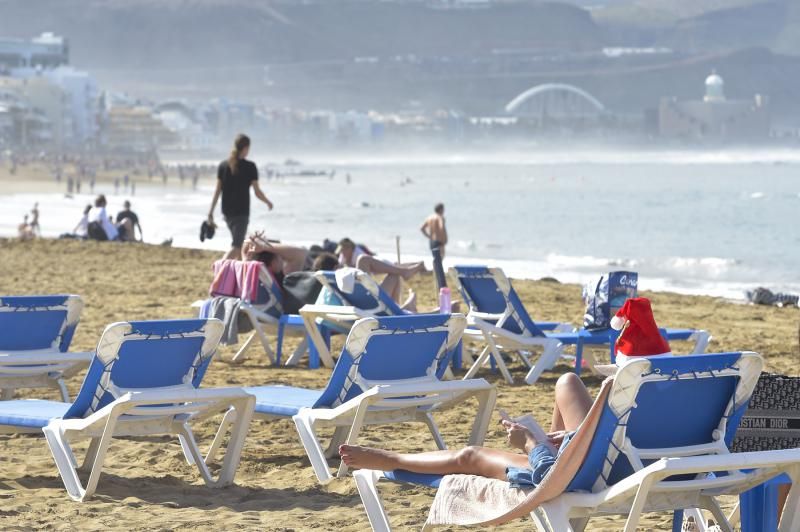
[
  {"x": 181, "y": 398},
  {"x": 25, "y": 358},
  {"x": 331, "y": 309},
  {"x": 474, "y": 314}
]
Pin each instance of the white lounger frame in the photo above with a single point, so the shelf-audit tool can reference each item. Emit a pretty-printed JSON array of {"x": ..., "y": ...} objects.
[{"x": 129, "y": 415}]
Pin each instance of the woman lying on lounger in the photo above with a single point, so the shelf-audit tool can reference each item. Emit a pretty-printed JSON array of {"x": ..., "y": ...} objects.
[
  {"x": 640, "y": 337},
  {"x": 572, "y": 404},
  {"x": 296, "y": 258}
]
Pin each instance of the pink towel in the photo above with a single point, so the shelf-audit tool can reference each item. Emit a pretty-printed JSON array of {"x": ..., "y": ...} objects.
[
  {"x": 226, "y": 282},
  {"x": 248, "y": 284},
  {"x": 236, "y": 278}
]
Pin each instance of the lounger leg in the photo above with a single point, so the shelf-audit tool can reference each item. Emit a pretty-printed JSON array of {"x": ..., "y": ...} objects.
[
  {"x": 310, "y": 321},
  {"x": 190, "y": 449},
  {"x": 239, "y": 356},
  {"x": 298, "y": 353},
  {"x": 339, "y": 437},
  {"x": 701, "y": 340},
  {"x": 65, "y": 460},
  {"x": 91, "y": 454},
  {"x": 227, "y": 421},
  {"x": 579, "y": 523},
  {"x": 262, "y": 336},
  {"x": 366, "y": 483},
  {"x": 713, "y": 506},
  {"x": 638, "y": 504},
  {"x": 437, "y": 436},
  {"x": 308, "y": 437},
  {"x": 486, "y": 402},
  {"x": 498, "y": 358},
  {"x": 279, "y": 342},
  {"x": 233, "y": 451},
  {"x": 62, "y": 387},
  {"x": 734, "y": 517},
  {"x": 552, "y": 516},
  {"x": 550, "y": 353},
  {"x": 355, "y": 428},
  {"x": 791, "y": 509},
  {"x": 478, "y": 364}
]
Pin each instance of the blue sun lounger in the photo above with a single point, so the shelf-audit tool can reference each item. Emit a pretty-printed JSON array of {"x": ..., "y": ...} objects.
[
  {"x": 661, "y": 444},
  {"x": 35, "y": 334},
  {"x": 142, "y": 381},
  {"x": 388, "y": 372},
  {"x": 498, "y": 317}
]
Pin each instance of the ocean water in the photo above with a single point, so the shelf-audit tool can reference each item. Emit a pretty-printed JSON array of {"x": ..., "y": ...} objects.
[{"x": 703, "y": 223}]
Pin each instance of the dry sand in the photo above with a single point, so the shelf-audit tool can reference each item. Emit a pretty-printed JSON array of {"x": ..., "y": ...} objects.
[{"x": 148, "y": 486}]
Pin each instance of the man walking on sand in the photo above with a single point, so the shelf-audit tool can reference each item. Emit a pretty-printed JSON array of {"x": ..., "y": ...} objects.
[{"x": 435, "y": 231}]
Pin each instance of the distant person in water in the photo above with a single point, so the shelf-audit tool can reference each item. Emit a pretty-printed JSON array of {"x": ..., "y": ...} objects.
[
  {"x": 128, "y": 214},
  {"x": 356, "y": 256},
  {"x": 34, "y": 225},
  {"x": 435, "y": 231},
  {"x": 235, "y": 176}
]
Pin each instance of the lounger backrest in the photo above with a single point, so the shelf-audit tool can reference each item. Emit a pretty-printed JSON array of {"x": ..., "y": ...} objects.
[
  {"x": 668, "y": 403},
  {"x": 269, "y": 298},
  {"x": 367, "y": 294},
  {"x": 38, "y": 322},
  {"x": 489, "y": 291},
  {"x": 145, "y": 355},
  {"x": 397, "y": 348}
]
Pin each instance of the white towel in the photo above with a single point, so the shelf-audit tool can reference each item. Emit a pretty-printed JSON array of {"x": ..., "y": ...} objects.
[{"x": 346, "y": 279}]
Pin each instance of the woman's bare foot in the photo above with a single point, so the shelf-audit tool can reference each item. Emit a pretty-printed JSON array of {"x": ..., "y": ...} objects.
[
  {"x": 357, "y": 457},
  {"x": 410, "y": 303}
]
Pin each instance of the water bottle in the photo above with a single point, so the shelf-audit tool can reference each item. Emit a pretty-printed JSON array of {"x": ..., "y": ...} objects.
[{"x": 444, "y": 300}]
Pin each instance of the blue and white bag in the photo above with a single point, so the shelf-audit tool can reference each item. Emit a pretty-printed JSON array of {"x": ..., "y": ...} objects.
[{"x": 605, "y": 297}]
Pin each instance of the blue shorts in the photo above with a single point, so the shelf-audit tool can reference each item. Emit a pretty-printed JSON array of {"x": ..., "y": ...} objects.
[{"x": 541, "y": 459}]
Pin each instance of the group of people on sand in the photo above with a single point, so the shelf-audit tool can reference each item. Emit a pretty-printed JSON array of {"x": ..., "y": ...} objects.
[
  {"x": 236, "y": 175},
  {"x": 29, "y": 228},
  {"x": 97, "y": 224}
]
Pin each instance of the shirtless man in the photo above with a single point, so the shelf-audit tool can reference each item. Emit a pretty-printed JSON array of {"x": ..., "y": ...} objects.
[{"x": 435, "y": 231}]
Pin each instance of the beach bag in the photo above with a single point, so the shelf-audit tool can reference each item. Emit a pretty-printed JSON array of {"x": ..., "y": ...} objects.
[
  {"x": 605, "y": 297},
  {"x": 772, "y": 419}
]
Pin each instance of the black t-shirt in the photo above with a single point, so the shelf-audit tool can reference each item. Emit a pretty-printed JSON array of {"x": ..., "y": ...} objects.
[
  {"x": 236, "y": 187},
  {"x": 128, "y": 214}
]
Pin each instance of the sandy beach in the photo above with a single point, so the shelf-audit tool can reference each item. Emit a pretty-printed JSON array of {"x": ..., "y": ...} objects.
[{"x": 147, "y": 485}]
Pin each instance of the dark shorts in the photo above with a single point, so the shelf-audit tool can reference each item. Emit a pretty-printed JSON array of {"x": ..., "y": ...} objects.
[{"x": 238, "y": 227}]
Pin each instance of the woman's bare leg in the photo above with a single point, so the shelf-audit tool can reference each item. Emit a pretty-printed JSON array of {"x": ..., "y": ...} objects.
[
  {"x": 391, "y": 285},
  {"x": 483, "y": 461},
  {"x": 372, "y": 266},
  {"x": 572, "y": 403}
]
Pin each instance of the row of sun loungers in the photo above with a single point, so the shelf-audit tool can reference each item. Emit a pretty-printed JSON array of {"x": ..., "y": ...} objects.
[{"x": 144, "y": 378}]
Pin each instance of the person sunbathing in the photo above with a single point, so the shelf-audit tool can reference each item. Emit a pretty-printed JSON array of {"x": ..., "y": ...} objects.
[
  {"x": 640, "y": 337},
  {"x": 355, "y": 256},
  {"x": 572, "y": 404}
]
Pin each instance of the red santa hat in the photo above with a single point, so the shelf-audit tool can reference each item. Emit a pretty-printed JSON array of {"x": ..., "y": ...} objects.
[{"x": 640, "y": 336}]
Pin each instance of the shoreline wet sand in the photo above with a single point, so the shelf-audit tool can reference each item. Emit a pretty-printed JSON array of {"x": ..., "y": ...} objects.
[{"x": 146, "y": 484}]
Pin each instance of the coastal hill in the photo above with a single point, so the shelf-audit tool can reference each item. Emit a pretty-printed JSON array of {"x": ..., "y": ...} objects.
[
  {"x": 371, "y": 54},
  {"x": 207, "y": 33}
]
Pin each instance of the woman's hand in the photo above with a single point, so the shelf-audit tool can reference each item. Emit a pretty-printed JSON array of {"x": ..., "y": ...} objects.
[{"x": 518, "y": 436}]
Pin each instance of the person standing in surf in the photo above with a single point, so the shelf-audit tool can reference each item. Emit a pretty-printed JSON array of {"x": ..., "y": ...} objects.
[
  {"x": 235, "y": 176},
  {"x": 435, "y": 231}
]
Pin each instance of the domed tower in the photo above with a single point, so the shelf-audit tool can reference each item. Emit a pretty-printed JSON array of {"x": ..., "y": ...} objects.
[{"x": 715, "y": 88}]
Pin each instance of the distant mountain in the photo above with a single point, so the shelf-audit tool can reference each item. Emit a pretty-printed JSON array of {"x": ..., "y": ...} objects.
[{"x": 156, "y": 34}]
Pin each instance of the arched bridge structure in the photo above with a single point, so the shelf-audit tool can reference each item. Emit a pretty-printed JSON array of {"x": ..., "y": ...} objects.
[{"x": 557, "y": 102}]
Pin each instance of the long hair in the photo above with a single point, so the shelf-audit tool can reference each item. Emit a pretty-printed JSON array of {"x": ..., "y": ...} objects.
[{"x": 241, "y": 142}]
